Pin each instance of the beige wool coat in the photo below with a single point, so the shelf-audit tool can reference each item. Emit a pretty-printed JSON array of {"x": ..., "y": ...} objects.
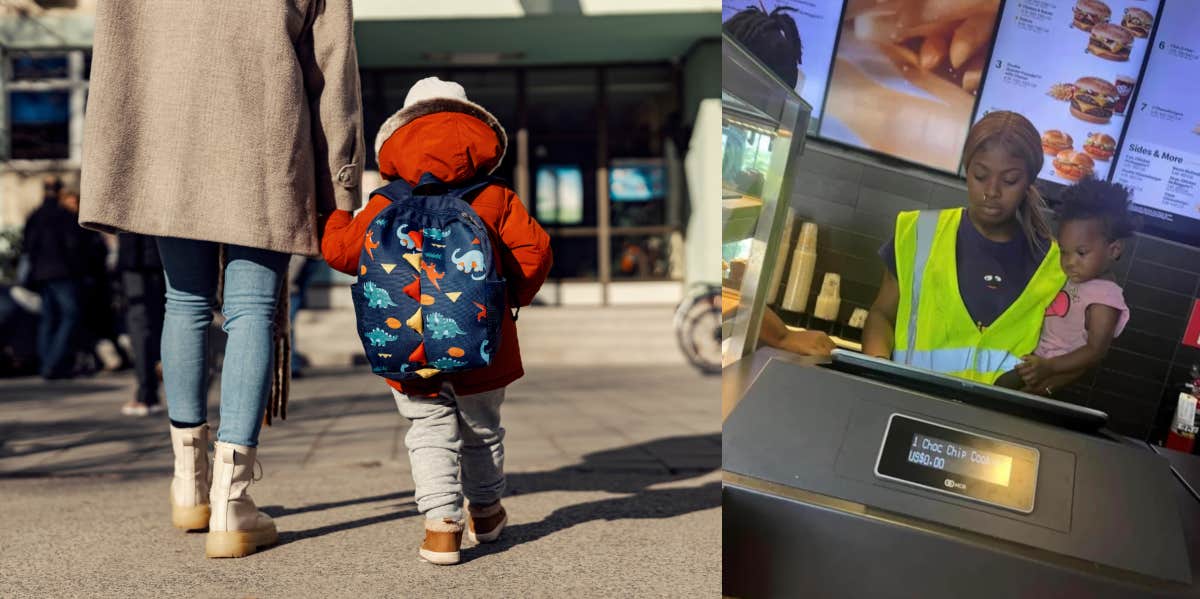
[{"x": 233, "y": 122}]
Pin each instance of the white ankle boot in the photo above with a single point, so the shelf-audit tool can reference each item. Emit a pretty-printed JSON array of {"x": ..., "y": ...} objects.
[
  {"x": 189, "y": 487},
  {"x": 236, "y": 527}
]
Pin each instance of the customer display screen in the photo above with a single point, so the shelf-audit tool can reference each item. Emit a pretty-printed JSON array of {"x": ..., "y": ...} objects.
[
  {"x": 1071, "y": 67},
  {"x": 959, "y": 462},
  {"x": 947, "y": 456}
]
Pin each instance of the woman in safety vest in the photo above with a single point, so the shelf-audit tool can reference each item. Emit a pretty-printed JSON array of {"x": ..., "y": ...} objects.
[{"x": 965, "y": 290}]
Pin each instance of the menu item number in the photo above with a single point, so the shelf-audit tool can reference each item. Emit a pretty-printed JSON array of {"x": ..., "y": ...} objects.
[{"x": 1073, "y": 166}]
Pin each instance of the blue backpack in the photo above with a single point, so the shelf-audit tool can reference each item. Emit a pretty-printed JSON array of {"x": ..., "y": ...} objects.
[{"x": 429, "y": 297}]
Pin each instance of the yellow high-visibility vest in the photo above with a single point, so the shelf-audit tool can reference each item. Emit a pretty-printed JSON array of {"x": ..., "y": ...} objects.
[{"x": 934, "y": 331}]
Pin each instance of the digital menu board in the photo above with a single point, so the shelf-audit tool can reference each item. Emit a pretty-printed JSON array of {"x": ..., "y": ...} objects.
[
  {"x": 1160, "y": 156},
  {"x": 905, "y": 77},
  {"x": 765, "y": 33},
  {"x": 1071, "y": 67}
]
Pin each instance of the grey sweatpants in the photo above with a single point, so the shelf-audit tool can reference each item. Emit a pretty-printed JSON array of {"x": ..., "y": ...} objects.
[{"x": 449, "y": 430}]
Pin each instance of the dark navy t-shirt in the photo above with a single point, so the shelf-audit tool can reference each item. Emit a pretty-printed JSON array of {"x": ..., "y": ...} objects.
[{"x": 991, "y": 275}]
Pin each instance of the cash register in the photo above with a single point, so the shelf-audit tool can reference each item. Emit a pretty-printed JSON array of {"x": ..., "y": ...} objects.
[{"x": 859, "y": 477}]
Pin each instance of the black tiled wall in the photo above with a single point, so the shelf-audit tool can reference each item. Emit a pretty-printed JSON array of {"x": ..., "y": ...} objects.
[{"x": 854, "y": 201}]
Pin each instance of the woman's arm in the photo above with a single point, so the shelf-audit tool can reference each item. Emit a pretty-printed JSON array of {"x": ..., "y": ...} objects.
[
  {"x": 1101, "y": 324},
  {"x": 329, "y": 64},
  {"x": 808, "y": 343},
  {"x": 879, "y": 333}
]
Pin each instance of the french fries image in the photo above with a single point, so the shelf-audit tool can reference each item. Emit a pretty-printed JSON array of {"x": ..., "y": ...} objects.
[{"x": 947, "y": 38}]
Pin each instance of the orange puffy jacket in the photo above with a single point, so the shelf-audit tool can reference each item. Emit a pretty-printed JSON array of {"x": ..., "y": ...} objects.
[{"x": 456, "y": 147}]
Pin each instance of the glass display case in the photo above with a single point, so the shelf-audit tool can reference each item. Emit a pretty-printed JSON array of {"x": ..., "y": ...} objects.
[{"x": 763, "y": 123}]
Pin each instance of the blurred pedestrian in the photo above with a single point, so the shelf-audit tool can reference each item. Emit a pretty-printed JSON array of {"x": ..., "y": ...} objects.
[
  {"x": 144, "y": 289},
  {"x": 99, "y": 348},
  {"x": 300, "y": 273},
  {"x": 54, "y": 245},
  {"x": 229, "y": 131},
  {"x": 455, "y": 416}
]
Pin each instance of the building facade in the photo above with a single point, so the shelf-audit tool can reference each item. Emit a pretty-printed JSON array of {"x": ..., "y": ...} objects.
[{"x": 598, "y": 97}]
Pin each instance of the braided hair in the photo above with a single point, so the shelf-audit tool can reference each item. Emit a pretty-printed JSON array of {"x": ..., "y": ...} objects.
[{"x": 771, "y": 37}]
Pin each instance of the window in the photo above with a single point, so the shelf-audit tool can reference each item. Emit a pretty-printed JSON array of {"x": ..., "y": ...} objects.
[
  {"x": 40, "y": 125},
  {"x": 45, "y": 93},
  {"x": 559, "y": 198}
]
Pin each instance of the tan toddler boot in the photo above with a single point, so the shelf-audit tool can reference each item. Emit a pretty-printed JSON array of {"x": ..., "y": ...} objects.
[
  {"x": 189, "y": 487},
  {"x": 442, "y": 540},
  {"x": 236, "y": 528},
  {"x": 486, "y": 523}
]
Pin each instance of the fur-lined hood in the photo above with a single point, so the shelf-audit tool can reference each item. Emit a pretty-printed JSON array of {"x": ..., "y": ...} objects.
[{"x": 440, "y": 105}]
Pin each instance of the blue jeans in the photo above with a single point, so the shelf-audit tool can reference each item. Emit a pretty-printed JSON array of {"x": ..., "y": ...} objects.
[
  {"x": 252, "y": 280},
  {"x": 56, "y": 329}
]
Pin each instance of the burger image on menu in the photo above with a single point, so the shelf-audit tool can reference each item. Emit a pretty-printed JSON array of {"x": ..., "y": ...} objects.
[
  {"x": 1089, "y": 13},
  {"x": 1138, "y": 22},
  {"x": 1100, "y": 146},
  {"x": 1072, "y": 165},
  {"x": 1055, "y": 141},
  {"x": 1111, "y": 42},
  {"x": 1093, "y": 100}
]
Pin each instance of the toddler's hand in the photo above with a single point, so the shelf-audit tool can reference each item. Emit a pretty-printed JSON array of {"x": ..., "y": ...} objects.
[{"x": 1034, "y": 371}]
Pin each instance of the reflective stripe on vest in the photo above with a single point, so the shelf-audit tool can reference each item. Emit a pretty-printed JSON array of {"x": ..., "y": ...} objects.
[
  {"x": 954, "y": 360},
  {"x": 927, "y": 221}
]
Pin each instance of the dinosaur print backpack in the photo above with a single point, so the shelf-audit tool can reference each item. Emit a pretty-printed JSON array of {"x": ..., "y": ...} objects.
[{"x": 429, "y": 296}]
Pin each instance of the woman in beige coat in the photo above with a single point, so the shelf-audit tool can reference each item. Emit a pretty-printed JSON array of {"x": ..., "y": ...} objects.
[{"x": 222, "y": 124}]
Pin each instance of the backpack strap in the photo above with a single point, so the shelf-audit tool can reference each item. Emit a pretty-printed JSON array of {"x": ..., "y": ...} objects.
[
  {"x": 431, "y": 185},
  {"x": 397, "y": 191}
]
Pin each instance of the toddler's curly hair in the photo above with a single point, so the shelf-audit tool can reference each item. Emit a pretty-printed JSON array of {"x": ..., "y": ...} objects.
[{"x": 1101, "y": 200}]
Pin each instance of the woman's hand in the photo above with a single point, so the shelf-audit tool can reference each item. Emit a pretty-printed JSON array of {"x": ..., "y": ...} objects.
[
  {"x": 879, "y": 331},
  {"x": 808, "y": 343},
  {"x": 1035, "y": 371}
]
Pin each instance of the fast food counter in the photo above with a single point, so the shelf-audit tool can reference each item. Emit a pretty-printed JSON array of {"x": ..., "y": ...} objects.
[
  {"x": 843, "y": 482},
  {"x": 762, "y": 128}
]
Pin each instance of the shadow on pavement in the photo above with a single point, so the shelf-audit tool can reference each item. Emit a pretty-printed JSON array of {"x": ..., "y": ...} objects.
[
  {"x": 628, "y": 469},
  {"x": 141, "y": 438},
  {"x": 276, "y": 511},
  {"x": 38, "y": 390},
  {"x": 631, "y": 470},
  {"x": 658, "y": 504}
]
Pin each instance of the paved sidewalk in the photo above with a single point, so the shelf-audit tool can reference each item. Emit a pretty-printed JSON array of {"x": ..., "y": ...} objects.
[{"x": 613, "y": 491}]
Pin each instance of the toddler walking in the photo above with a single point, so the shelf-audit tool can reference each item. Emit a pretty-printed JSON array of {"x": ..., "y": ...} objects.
[{"x": 442, "y": 139}]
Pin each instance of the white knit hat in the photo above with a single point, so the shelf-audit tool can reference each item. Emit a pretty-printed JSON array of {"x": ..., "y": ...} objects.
[{"x": 432, "y": 95}]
